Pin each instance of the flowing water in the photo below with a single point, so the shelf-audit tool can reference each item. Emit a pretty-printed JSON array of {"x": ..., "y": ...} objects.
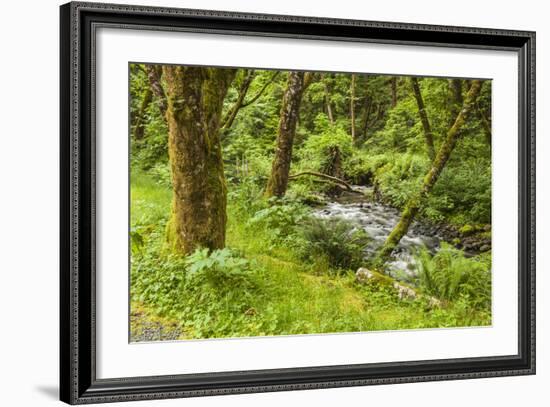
[{"x": 378, "y": 221}]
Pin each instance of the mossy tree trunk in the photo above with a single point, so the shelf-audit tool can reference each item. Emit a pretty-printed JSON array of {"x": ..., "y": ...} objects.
[
  {"x": 292, "y": 98},
  {"x": 195, "y": 99},
  {"x": 414, "y": 204},
  {"x": 428, "y": 135}
]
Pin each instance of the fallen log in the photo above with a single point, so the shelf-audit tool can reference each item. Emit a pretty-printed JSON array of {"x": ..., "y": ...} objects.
[{"x": 339, "y": 181}]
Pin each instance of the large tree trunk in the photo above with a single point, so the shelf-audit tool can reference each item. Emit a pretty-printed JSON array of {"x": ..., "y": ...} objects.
[
  {"x": 352, "y": 108},
  {"x": 195, "y": 101},
  {"x": 423, "y": 118},
  {"x": 415, "y": 203},
  {"x": 278, "y": 181}
]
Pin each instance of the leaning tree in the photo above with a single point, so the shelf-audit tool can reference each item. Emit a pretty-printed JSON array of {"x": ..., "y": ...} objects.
[{"x": 417, "y": 201}]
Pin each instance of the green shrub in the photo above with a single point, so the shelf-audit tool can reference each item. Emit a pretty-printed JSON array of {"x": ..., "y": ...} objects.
[
  {"x": 211, "y": 291},
  {"x": 246, "y": 198},
  {"x": 219, "y": 290},
  {"x": 157, "y": 280},
  {"x": 316, "y": 152},
  {"x": 154, "y": 146},
  {"x": 280, "y": 218},
  {"x": 338, "y": 240},
  {"x": 471, "y": 201},
  {"x": 161, "y": 173},
  {"x": 449, "y": 276},
  {"x": 219, "y": 269},
  {"x": 401, "y": 176}
]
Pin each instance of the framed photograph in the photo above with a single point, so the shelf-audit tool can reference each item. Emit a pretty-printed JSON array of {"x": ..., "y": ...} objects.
[{"x": 254, "y": 203}]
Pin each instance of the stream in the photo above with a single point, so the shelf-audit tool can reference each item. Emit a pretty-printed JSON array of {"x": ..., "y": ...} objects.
[{"x": 378, "y": 221}]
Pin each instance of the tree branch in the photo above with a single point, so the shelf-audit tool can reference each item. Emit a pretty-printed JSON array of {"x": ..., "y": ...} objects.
[
  {"x": 328, "y": 177},
  {"x": 230, "y": 116},
  {"x": 261, "y": 91}
]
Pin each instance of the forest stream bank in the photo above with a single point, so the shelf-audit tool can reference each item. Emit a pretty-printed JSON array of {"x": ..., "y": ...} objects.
[{"x": 378, "y": 220}]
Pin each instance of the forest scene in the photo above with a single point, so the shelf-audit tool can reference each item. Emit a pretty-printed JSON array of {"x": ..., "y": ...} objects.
[{"x": 268, "y": 202}]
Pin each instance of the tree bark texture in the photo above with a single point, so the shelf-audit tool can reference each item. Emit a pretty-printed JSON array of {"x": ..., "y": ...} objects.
[
  {"x": 195, "y": 100},
  {"x": 414, "y": 204},
  {"x": 292, "y": 98},
  {"x": 428, "y": 135}
]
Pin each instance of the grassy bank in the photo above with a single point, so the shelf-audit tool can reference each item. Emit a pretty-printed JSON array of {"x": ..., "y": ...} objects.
[{"x": 264, "y": 282}]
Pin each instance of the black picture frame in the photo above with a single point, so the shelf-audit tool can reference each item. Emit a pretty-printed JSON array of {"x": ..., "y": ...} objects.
[{"x": 78, "y": 382}]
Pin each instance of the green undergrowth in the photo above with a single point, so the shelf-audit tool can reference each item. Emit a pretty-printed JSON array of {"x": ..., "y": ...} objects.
[{"x": 275, "y": 276}]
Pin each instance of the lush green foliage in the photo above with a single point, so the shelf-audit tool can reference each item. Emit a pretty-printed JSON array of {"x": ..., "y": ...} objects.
[
  {"x": 448, "y": 275},
  {"x": 280, "y": 217},
  {"x": 259, "y": 288},
  {"x": 152, "y": 149},
  {"x": 339, "y": 241},
  {"x": 285, "y": 270}
]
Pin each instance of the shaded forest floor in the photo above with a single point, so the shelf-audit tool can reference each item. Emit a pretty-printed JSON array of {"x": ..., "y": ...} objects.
[{"x": 261, "y": 286}]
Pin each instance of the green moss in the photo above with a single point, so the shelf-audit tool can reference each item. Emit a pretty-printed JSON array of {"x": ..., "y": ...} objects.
[{"x": 467, "y": 229}]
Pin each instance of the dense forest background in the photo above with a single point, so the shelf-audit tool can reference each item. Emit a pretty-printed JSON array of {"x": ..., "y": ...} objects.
[{"x": 274, "y": 202}]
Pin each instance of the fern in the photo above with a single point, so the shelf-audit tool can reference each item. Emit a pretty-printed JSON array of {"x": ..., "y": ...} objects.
[
  {"x": 449, "y": 276},
  {"x": 338, "y": 240}
]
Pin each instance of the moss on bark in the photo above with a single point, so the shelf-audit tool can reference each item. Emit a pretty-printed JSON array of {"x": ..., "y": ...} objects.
[
  {"x": 195, "y": 99},
  {"x": 278, "y": 180}
]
